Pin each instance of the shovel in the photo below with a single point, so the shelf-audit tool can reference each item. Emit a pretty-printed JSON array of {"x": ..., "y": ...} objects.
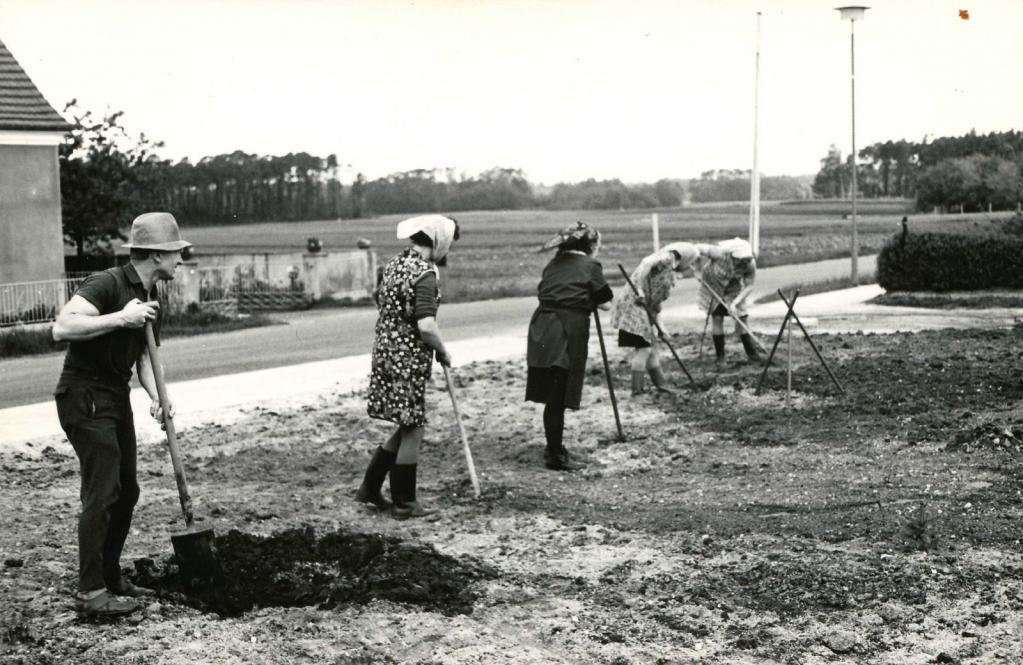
[{"x": 193, "y": 546}]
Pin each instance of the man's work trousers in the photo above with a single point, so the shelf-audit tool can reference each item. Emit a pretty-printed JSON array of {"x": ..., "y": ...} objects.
[{"x": 98, "y": 423}]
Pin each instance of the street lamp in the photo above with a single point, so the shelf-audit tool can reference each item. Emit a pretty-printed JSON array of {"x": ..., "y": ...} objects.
[{"x": 852, "y": 14}]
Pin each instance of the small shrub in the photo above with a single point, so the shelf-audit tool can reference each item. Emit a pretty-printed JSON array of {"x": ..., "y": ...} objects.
[
  {"x": 950, "y": 262},
  {"x": 197, "y": 321},
  {"x": 1013, "y": 225},
  {"x": 920, "y": 531}
]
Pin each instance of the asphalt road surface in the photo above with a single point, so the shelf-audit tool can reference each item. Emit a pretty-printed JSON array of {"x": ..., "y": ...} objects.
[{"x": 334, "y": 333}]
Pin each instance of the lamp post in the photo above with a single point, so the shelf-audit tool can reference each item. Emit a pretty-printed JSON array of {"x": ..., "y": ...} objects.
[{"x": 852, "y": 14}]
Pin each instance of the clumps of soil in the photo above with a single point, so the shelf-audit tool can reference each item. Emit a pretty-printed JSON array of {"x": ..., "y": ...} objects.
[
  {"x": 1004, "y": 437},
  {"x": 296, "y": 568},
  {"x": 791, "y": 587}
]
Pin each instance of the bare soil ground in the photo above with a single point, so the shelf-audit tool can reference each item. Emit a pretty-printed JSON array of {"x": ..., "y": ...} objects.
[{"x": 878, "y": 526}]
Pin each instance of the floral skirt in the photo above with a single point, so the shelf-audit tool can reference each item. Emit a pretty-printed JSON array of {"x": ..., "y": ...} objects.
[{"x": 397, "y": 382}]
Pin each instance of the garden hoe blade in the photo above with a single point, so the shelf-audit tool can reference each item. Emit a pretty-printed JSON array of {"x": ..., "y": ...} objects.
[{"x": 194, "y": 547}]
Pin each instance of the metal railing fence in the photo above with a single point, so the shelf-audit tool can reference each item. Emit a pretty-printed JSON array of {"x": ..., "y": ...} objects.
[{"x": 227, "y": 290}]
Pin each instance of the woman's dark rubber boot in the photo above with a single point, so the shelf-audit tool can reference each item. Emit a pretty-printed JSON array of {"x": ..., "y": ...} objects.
[
  {"x": 719, "y": 351},
  {"x": 561, "y": 461},
  {"x": 403, "y": 491},
  {"x": 661, "y": 383},
  {"x": 752, "y": 352},
  {"x": 369, "y": 491}
]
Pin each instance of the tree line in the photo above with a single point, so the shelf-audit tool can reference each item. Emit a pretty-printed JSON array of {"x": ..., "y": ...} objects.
[
  {"x": 969, "y": 172},
  {"x": 107, "y": 176}
]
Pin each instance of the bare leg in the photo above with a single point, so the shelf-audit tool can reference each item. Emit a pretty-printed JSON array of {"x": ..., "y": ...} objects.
[
  {"x": 640, "y": 360},
  {"x": 653, "y": 367},
  {"x": 393, "y": 441},
  {"x": 408, "y": 452}
]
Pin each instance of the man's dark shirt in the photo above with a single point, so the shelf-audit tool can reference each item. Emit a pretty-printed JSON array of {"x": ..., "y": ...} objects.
[{"x": 109, "y": 358}]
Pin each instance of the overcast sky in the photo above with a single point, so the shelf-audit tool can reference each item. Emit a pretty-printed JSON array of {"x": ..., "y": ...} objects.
[{"x": 564, "y": 89}]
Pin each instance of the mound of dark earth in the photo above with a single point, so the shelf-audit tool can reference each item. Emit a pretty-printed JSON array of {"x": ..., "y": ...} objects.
[
  {"x": 296, "y": 568},
  {"x": 1006, "y": 437}
]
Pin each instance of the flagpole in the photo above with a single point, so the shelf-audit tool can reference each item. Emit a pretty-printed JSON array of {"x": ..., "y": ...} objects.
[{"x": 754, "y": 189}]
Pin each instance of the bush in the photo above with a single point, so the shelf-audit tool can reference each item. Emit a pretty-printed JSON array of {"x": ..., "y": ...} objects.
[
  {"x": 950, "y": 262},
  {"x": 28, "y": 340},
  {"x": 197, "y": 321}
]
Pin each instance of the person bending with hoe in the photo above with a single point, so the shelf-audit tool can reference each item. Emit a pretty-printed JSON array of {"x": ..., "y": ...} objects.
[
  {"x": 730, "y": 272},
  {"x": 572, "y": 286},
  {"x": 104, "y": 323},
  {"x": 407, "y": 337},
  {"x": 654, "y": 278}
]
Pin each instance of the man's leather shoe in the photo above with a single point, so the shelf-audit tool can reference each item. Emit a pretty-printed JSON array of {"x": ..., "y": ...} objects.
[
  {"x": 126, "y": 588},
  {"x": 403, "y": 511},
  {"x": 104, "y": 605}
]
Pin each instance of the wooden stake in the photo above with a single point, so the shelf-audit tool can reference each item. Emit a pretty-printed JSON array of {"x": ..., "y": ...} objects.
[{"x": 788, "y": 383}]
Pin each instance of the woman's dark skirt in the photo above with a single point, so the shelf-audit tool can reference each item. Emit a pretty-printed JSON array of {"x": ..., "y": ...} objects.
[
  {"x": 631, "y": 341},
  {"x": 556, "y": 353}
]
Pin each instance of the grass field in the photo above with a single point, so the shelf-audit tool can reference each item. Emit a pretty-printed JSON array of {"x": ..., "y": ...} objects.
[{"x": 497, "y": 254}]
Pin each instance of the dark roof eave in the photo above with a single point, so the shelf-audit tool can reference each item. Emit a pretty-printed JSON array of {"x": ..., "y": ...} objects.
[{"x": 35, "y": 127}]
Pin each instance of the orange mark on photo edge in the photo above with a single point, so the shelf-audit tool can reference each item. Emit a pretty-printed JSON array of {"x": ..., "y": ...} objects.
[{"x": 964, "y": 14}]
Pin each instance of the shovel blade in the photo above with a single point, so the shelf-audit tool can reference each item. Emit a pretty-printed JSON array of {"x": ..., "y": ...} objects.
[{"x": 196, "y": 552}]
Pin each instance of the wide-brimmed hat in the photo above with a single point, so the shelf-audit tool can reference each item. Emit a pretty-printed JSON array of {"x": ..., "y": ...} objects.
[{"x": 158, "y": 231}]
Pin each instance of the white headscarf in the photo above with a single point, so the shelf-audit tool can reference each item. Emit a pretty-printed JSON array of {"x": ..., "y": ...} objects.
[
  {"x": 687, "y": 252},
  {"x": 440, "y": 229},
  {"x": 738, "y": 248}
]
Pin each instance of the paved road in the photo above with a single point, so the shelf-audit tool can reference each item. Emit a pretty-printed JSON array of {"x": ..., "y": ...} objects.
[{"x": 335, "y": 333}]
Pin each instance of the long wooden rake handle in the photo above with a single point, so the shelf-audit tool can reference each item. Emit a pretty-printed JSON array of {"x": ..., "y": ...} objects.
[
  {"x": 461, "y": 430},
  {"x": 657, "y": 326},
  {"x": 607, "y": 373},
  {"x": 728, "y": 309}
]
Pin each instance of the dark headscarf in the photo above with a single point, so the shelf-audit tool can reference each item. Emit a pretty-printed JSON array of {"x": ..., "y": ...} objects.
[{"x": 579, "y": 236}]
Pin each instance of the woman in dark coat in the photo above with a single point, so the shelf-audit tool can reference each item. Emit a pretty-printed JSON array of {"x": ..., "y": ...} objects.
[
  {"x": 407, "y": 337},
  {"x": 572, "y": 286}
]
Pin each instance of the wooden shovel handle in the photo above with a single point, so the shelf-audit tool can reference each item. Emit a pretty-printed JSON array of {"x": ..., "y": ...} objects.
[{"x": 184, "y": 496}]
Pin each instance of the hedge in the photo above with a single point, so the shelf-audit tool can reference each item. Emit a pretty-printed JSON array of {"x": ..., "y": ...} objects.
[{"x": 950, "y": 262}]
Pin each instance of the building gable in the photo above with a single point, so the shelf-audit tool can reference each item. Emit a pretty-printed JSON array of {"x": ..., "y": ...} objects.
[{"x": 22, "y": 106}]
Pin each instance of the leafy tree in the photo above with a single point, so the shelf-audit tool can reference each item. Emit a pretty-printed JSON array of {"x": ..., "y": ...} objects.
[
  {"x": 107, "y": 177},
  {"x": 669, "y": 193},
  {"x": 834, "y": 178},
  {"x": 977, "y": 182}
]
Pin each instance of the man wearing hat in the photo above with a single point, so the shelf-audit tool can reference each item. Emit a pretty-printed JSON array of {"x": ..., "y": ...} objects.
[{"x": 104, "y": 322}]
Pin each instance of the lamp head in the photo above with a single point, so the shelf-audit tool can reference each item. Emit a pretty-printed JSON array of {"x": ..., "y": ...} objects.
[{"x": 852, "y": 12}]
